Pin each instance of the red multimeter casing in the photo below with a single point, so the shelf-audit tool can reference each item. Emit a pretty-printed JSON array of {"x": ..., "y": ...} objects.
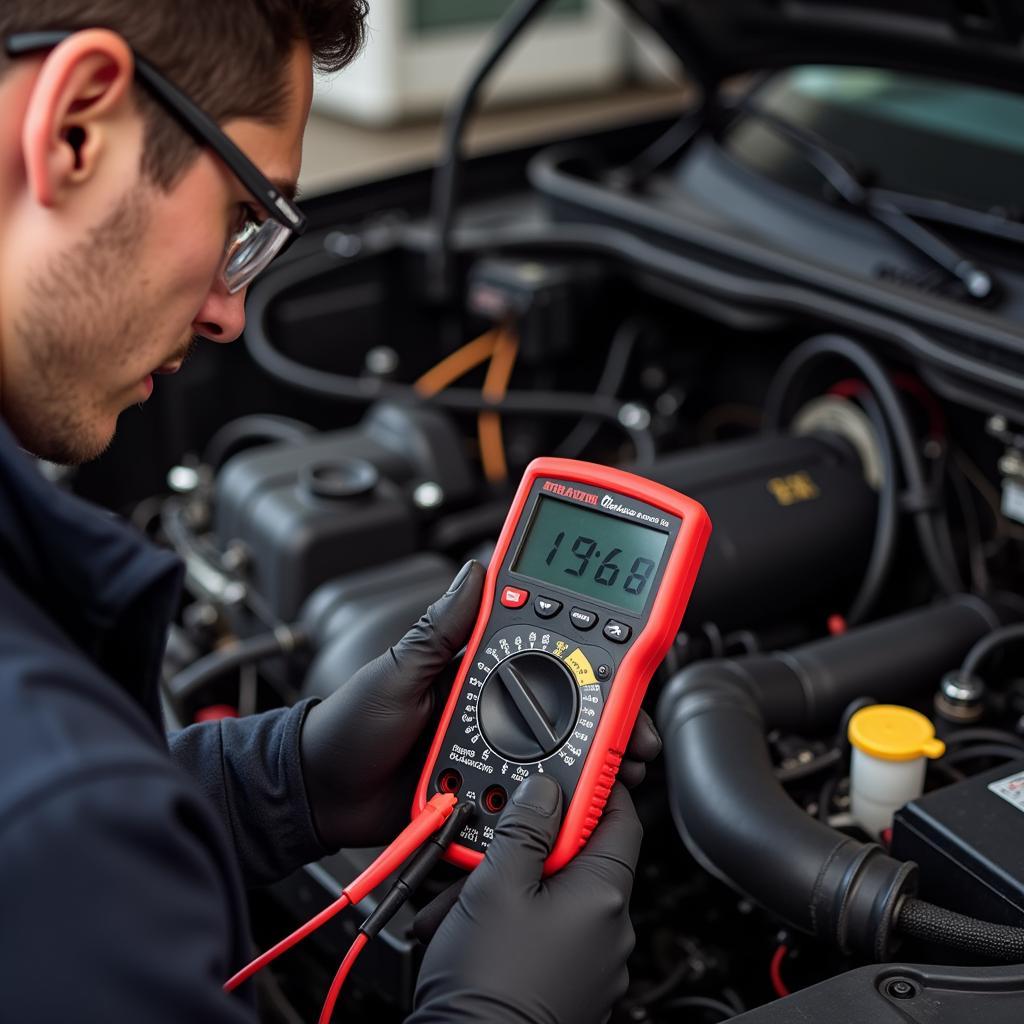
[{"x": 583, "y": 598}]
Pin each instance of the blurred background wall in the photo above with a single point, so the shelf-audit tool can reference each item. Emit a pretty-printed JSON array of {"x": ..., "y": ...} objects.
[{"x": 581, "y": 65}]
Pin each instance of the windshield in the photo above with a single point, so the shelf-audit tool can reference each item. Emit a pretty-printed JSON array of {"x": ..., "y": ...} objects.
[{"x": 909, "y": 133}]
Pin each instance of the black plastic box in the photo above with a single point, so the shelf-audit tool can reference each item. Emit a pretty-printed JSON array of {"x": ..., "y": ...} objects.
[{"x": 969, "y": 843}]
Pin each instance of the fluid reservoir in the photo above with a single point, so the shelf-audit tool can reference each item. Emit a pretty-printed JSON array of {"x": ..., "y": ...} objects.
[{"x": 891, "y": 748}]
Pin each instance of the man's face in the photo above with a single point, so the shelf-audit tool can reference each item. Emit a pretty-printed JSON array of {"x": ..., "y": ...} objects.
[{"x": 122, "y": 298}]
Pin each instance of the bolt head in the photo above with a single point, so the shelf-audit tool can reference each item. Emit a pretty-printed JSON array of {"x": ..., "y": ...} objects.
[
  {"x": 634, "y": 416},
  {"x": 183, "y": 479},
  {"x": 428, "y": 495},
  {"x": 962, "y": 689},
  {"x": 343, "y": 244},
  {"x": 900, "y": 988},
  {"x": 979, "y": 284},
  {"x": 381, "y": 361}
]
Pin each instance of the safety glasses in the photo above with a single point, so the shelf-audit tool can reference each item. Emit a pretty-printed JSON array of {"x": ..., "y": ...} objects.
[{"x": 256, "y": 243}]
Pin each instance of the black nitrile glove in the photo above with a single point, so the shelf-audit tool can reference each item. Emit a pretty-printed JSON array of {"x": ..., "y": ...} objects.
[
  {"x": 644, "y": 746},
  {"x": 363, "y": 748},
  {"x": 520, "y": 948}
]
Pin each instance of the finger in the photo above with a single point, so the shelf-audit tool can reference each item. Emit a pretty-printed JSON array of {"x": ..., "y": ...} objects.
[
  {"x": 443, "y": 629},
  {"x": 429, "y": 919},
  {"x": 632, "y": 773},
  {"x": 645, "y": 743},
  {"x": 523, "y": 838},
  {"x": 613, "y": 849}
]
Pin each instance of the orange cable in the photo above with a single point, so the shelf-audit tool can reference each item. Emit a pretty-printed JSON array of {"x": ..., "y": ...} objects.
[
  {"x": 459, "y": 363},
  {"x": 499, "y": 374}
]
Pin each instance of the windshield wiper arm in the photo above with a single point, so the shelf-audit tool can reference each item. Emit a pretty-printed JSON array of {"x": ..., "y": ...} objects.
[
  {"x": 977, "y": 281},
  {"x": 945, "y": 211}
]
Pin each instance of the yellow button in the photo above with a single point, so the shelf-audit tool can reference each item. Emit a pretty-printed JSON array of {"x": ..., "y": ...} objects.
[{"x": 894, "y": 733}]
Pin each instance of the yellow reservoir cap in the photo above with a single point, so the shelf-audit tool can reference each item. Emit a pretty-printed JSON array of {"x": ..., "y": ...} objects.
[{"x": 894, "y": 733}]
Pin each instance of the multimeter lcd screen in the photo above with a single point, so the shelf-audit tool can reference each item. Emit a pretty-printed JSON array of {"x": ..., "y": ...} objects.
[{"x": 593, "y": 554}]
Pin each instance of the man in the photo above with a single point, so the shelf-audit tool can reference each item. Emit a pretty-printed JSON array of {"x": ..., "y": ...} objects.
[{"x": 130, "y": 225}]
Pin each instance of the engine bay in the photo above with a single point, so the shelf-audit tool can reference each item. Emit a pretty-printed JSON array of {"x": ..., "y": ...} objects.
[{"x": 851, "y": 415}]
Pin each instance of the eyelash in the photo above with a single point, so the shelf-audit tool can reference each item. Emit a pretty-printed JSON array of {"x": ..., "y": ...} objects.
[{"x": 246, "y": 212}]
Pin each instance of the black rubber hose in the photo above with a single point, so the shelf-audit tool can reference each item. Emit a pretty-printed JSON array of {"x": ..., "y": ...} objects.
[
  {"x": 806, "y": 689},
  {"x": 448, "y": 174},
  {"x": 733, "y": 813},
  {"x": 253, "y": 429},
  {"x": 804, "y": 770},
  {"x": 987, "y": 645},
  {"x": 190, "y": 681},
  {"x": 664, "y": 148},
  {"x": 620, "y": 351},
  {"x": 980, "y": 734},
  {"x": 942, "y": 927},
  {"x": 883, "y": 547},
  {"x": 739, "y": 823},
  {"x": 920, "y": 497},
  {"x": 366, "y": 390},
  {"x": 975, "y": 751}
]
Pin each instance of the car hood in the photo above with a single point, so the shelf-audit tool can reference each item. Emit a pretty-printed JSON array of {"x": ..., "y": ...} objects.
[{"x": 972, "y": 40}]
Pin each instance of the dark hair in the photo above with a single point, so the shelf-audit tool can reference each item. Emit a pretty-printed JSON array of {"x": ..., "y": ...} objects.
[{"x": 227, "y": 55}]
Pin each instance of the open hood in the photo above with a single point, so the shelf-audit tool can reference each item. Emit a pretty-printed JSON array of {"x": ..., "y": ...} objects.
[{"x": 978, "y": 41}]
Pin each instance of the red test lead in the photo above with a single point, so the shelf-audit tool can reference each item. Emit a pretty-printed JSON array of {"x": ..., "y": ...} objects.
[
  {"x": 413, "y": 836},
  {"x": 403, "y": 887}
]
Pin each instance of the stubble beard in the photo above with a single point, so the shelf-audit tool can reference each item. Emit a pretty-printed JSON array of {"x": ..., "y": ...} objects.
[{"x": 77, "y": 329}]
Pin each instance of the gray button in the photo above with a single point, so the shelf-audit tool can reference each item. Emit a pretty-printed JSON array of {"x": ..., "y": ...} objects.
[
  {"x": 583, "y": 619},
  {"x": 547, "y": 607},
  {"x": 617, "y": 631}
]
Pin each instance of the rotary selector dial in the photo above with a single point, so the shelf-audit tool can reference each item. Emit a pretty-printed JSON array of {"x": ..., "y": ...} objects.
[
  {"x": 532, "y": 703},
  {"x": 528, "y": 707}
]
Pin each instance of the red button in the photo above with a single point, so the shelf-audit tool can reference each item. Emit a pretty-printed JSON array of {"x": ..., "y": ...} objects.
[{"x": 513, "y": 597}]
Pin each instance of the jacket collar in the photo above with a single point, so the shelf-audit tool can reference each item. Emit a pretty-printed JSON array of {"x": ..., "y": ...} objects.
[{"x": 103, "y": 583}]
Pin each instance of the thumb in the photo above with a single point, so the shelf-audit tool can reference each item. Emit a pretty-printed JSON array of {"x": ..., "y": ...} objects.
[
  {"x": 523, "y": 838},
  {"x": 444, "y": 627}
]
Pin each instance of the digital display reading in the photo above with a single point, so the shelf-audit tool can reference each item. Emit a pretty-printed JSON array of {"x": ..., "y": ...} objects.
[{"x": 595, "y": 555}]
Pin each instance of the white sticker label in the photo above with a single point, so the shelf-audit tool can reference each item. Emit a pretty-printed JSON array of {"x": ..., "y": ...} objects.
[
  {"x": 1013, "y": 501},
  {"x": 1011, "y": 789}
]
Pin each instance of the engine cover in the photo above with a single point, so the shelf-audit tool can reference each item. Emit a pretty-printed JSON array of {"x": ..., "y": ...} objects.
[{"x": 310, "y": 512}]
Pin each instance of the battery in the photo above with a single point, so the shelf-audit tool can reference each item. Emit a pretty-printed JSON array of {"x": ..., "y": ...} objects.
[{"x": 968, "y": 839}]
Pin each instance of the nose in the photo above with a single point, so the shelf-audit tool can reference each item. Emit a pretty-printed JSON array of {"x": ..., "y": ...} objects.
[{"x": 222, "y": 316}]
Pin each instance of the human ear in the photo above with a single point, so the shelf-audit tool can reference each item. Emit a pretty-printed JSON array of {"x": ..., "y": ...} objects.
[{"x": 81, "y": 90}]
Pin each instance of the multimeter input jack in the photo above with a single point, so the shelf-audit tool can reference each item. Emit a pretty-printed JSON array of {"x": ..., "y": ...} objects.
[
  {"x": 449, "y": 781},
  {"x": 494, "y": 799}
]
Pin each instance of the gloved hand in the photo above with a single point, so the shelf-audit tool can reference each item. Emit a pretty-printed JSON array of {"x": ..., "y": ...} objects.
[
  {"x": 519, "y": 948},
  {"x": 363, "y": 748}
]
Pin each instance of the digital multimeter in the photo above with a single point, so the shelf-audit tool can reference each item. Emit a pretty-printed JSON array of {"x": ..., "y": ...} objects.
[{"x": 583, "y": 598}]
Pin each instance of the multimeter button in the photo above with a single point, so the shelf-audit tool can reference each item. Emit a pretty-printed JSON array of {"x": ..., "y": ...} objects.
[
  {"x": 583, "y": 619},
  {"x": 617, "y": 632},
  {"x": 547, "y": 607},
  {"x": 513, "y": 597}
]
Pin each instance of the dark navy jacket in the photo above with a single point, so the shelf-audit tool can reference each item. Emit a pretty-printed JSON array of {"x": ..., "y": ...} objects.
[{"x": 123, "y": 855}]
